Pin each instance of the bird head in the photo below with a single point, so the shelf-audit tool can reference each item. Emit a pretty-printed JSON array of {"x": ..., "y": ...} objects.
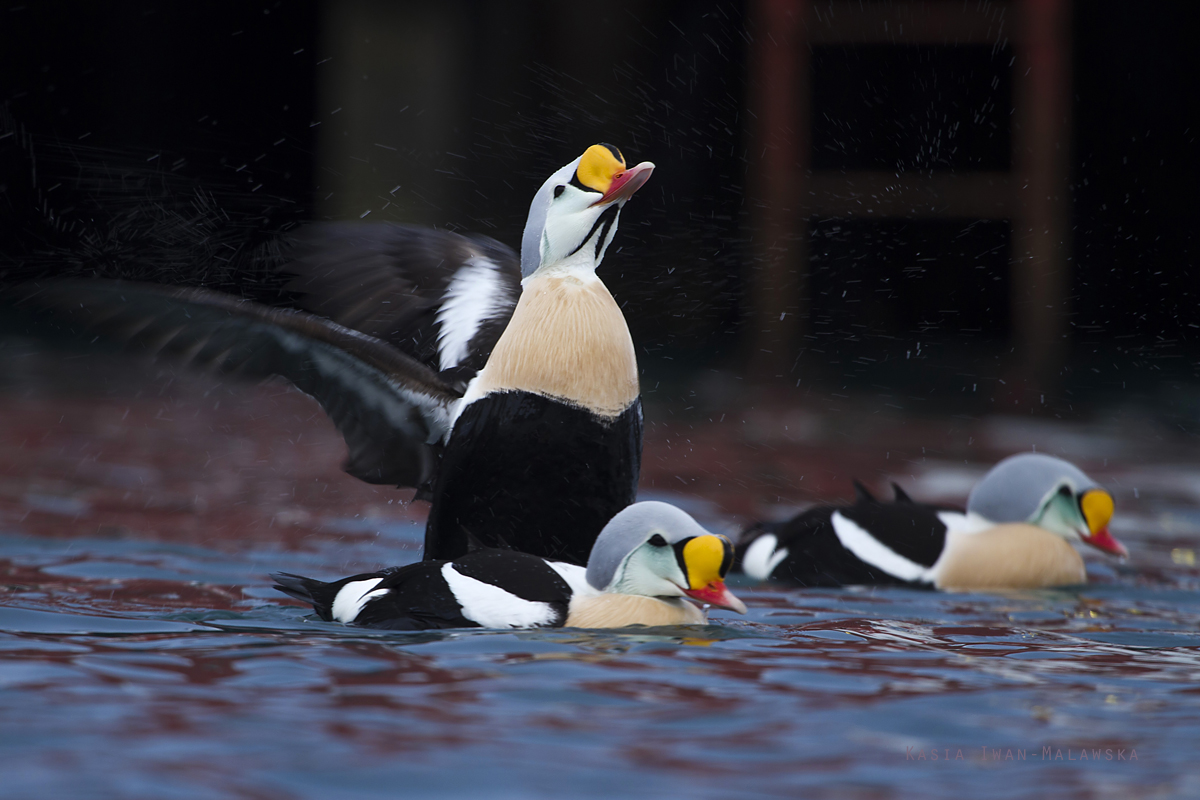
[
  {"x": 1079, "y": 516},
  {"x": 1050, "y": 493},
  {"x": 654, "y": 549},
  {"x": 574, "y": 215}
]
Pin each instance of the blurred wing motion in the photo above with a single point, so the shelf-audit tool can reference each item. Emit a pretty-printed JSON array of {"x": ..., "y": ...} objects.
[
  {"x": 440, "y": 297},
  {"x": 392, "y": 411}
]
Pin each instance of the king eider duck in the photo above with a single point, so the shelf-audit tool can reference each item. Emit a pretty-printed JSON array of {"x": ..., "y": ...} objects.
[
  {"x": 1016, "y": 533},
  {"x": 505, "y": 389},
  {"x": 645, "y": 565}
]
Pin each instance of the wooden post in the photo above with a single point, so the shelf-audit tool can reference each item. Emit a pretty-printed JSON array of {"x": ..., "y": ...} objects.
[
  {"x": 779, "y": 96},
  {"x": 391, "y": 102},
  {"x": 1041, "y": 226}
]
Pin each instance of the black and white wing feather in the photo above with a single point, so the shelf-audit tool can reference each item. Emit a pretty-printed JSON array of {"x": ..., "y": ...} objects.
[
  {"x": 867, "y": 543},
  {"x": 440, "y": 297},
  {"x": 392, "y": 411},
  {"x": 413, "y": 598},
  {"x": 488, "y": 588}
]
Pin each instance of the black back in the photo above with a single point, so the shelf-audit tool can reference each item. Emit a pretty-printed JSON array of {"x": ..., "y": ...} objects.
[
  {"x": 816, "y": 556},
  {"x": 526, "y": 576}
]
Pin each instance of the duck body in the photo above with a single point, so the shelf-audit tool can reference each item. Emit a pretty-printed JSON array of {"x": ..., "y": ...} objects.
[
  {"x": 1007, "y": 556},
  {"x": 549, "y": 436},
  {"x": 1035, "y": 505},
  {"x": 487, "y": 588},
  {"x": 908, "y": 544},
  {"x": 534, "y": 473},
  {"x": 649, "y": 559}
]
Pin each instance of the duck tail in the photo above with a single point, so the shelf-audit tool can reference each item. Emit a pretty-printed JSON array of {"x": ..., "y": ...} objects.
[{"x": 307, "y": 590}]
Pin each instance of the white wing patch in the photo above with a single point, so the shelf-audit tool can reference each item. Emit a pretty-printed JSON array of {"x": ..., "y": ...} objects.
[
  {"x": 874, "y": 552},
  {"x": 475, "y": 295},
  {"x": 353, "y": 596},
  {"x": 576, "y": 578},
  {"x": 964, "y": 523},
  {"x": 491, "y": 606},
  {"x": 762, "y": 558}
]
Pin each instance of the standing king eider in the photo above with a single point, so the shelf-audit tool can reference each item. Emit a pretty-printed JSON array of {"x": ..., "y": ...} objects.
[
  {"x": 646, "y": 562},
  {"x": 536, "y": 450},
  {"x": 1016, "y": 533}
]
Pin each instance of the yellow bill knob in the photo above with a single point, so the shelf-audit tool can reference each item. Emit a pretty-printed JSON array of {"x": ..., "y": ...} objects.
[
  {"x": 598, "y": 166},
  {"x": 707, "y": 559},
  {"x": 1097, "y": 506}
]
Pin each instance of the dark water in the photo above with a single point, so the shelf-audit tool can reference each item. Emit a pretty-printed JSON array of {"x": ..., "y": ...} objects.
[
  {"x": 142, "y": 654},
  {"x": 152, "y": 670}
]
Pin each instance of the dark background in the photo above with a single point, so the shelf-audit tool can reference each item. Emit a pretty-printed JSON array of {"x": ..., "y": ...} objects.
[{"x": 258, "y": 100}]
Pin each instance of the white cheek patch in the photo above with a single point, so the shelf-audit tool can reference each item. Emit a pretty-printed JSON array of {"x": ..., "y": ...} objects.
[
  {"x": 491, "y": 606},
  {"x": 871, "y": 551},
  {"x": 570, "y": 222},
  {"x": 650, "y": 572},
  {"x": 762, "y": 558},
  {"x": 353, "y": 596},
  {"x": 475, "y": 295}
]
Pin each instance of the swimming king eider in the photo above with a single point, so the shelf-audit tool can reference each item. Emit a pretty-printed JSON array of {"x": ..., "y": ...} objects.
[
  {"x": 1017, "y": 532},
  {"x": 649, "y": 559},
  {"x": 535, "y": 451}
]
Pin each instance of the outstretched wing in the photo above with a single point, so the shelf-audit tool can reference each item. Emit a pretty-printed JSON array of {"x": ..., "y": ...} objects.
[
  {"x": 392, "y": 411},
  {"x": 440, "y": 297}
]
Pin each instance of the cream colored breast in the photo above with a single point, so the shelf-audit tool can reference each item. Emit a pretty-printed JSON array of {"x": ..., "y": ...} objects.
[
  {"x": 619, "y": 610},
  {"x": 567, "y": 339},
  {"x": 1011, "y": 556}
]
